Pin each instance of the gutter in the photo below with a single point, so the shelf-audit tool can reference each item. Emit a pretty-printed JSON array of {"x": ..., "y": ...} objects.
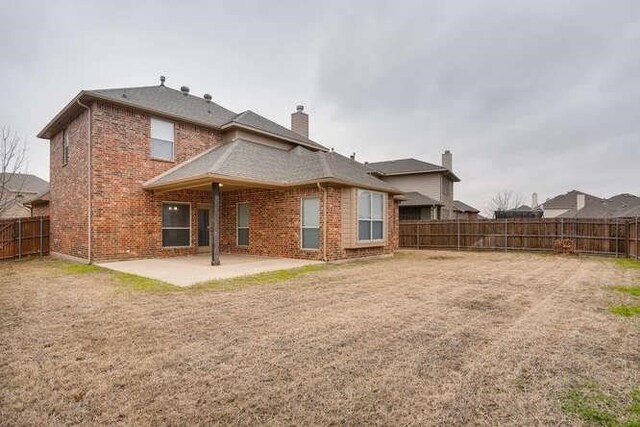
[
  {"x": 89, "y": 234},
  {"x": 324, "y": 221}
]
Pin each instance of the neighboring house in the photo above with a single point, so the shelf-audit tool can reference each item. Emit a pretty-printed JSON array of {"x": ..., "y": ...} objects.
[
  {"x": 39, "y": 205},
  {"x": 577, "y": 204},
  {"x": 522, "y": 211},
  {"x": 463, "y": 211},
  {"x": 16, "y": 189},
  {"x": 154, "y": 172},
  {"x": 429, "y": 188}
]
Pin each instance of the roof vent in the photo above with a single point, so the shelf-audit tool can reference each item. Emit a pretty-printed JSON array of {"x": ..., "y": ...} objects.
[
  {"x": 162, "y": 79},
  {"x": 207, "y": 97},
  {"x": 184, "y": 90},
  {"x": 300, "y": 108}
]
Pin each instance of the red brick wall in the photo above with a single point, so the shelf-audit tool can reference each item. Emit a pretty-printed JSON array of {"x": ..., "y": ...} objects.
[
  {"x": 69, "y": 190},
  {"x": 127, "y": 219}
]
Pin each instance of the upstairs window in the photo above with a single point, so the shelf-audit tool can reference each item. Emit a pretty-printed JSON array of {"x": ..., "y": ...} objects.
[
  {"x": 310, "y": 224},
  {"x": 370, "y": 216},
  {"x": 65, "y": 147},
  {"x": 162, "y": 135}
]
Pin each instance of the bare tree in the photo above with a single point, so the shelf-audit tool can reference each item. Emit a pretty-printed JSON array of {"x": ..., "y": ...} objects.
[
  {"x": 13, "y": 155},
  {"x": 503, "y": 201}
]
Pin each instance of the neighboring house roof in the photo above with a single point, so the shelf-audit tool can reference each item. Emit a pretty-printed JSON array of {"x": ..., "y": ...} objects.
[
  {"x": 568, "y": 200},
  {"x": 39, "y": 199},
  {"x": 247, "y": 161},
  {"x": 625, "y": 200},
  {"x": 418, "y": 199},
  {"x": 630, "y": 212},
  {"x": 521, "y": 208},
  {"x": 23, "y": 182},
  {"x": 463, "y": 207},
  {"x": 409, "y": 167},
  {"x": 165, "y": 101}
]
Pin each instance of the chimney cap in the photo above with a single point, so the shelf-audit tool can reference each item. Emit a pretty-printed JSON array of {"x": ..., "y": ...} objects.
[
  {"x": 184, "y": 90},
  {"x": 300, "y": 107},
  {"x": 162, "y": 79},
  {"x": 207, "y": 97}
]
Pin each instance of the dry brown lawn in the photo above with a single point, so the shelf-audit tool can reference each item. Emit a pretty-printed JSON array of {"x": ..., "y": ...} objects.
[{"x": 424, "y": 338}]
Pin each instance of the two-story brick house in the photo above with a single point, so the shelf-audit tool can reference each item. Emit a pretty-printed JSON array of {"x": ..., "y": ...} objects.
[{"x": 155, "y": 172}]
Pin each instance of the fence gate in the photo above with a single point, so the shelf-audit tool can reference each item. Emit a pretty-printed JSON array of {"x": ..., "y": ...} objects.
[{"x": 24, "y": 236}]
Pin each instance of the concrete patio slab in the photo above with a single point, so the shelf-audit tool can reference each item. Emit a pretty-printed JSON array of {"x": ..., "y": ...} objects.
[{"x": 189, "y": 270}]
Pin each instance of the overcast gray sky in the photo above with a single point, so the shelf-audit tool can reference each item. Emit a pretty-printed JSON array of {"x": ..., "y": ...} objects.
[{"x": 528, "y": 95}]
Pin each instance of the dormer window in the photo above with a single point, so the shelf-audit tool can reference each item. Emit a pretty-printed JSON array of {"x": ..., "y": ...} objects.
[{"x": 162, "y": 140}]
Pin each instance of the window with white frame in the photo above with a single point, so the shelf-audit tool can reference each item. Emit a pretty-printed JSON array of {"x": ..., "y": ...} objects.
[
  {"x": 176, "y": 224},
  {"x": 310, "y": 223},
  {"x": 162, "y": 135},
  {"x": 242, "y": 224},
  {"x": 65, "y": 147},
  {"x": 370, "y": 215}
]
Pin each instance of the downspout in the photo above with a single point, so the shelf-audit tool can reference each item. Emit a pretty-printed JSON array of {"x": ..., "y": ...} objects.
[
  {"x": 89, "y": 254},
  {"x": 324, "y": 221}
]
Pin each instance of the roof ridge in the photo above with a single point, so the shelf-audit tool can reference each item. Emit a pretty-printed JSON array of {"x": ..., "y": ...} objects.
[
  {"x": 325, "y": 165},
  {"x": 231, "y": 147}
]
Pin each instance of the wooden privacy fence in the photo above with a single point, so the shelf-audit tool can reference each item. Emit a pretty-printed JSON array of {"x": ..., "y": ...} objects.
[
  {"x": 24, "y": 236},
  {"x": 616, "y": 237}
]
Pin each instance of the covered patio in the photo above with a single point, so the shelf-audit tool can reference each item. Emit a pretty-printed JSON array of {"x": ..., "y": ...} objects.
[{"x": 192, "y": 269}]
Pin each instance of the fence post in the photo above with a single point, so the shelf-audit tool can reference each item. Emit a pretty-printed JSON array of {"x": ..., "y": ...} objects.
[
  {"x": 617, "y": 233},
  {"x": 561, "y": 228},
  {"x": 19, "y": 238},
  {"x": 637, "y": 240},
  {"x": 506, "y": 235},
  {"x": 417, "y": 235},
  {"x": 41, "y": 233},
  {"x": 458, "y": 223}
]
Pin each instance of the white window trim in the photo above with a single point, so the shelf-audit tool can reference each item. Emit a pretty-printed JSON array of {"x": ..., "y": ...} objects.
[
  {"x": 173, "y": 143},
  {"x": 167, "y": 202},
  {"x": 302, "y": 199},
  {"x": 248, "y": 227},
  {"x": 384, "y": 217}
]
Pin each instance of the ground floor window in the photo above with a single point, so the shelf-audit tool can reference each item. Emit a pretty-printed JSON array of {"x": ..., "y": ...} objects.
[
  {"x": 242, "y": 224},
  {"x": 310, "y": 223},
  {"x": 176, "y": 224},
  {"x": 370, "y": 215}
]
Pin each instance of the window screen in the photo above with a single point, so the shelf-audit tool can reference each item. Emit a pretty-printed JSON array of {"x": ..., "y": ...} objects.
[
  {"x": 310, "y": 224},
  {"x": 243, "y": 224},
  {"x": 162, "y": 135},
  {"x": 176, "y": 224}
]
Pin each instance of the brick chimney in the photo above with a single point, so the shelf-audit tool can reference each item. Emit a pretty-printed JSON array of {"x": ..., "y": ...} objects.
[
  {"x": 447, "y": 160},
  {"x": 300, "y": 122}
]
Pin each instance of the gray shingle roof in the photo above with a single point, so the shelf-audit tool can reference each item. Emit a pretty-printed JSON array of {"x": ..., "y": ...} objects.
[
  {"x": 25, "y": 183},
  {"x": 164, "y": 100},
  {"x": 254, "y": 162},
  {"x": 170, "y": 101},
  {"x": 569, "y": 200},
  {"x": 408, "y": 166},
  {"x": 256, "y": 121},
  {"x": 418, "y": 199},
  {"x": 463, "y": 207}
]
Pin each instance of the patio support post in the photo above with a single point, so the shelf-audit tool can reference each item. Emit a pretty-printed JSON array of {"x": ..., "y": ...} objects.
[{"x": 215, "y": 224}]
